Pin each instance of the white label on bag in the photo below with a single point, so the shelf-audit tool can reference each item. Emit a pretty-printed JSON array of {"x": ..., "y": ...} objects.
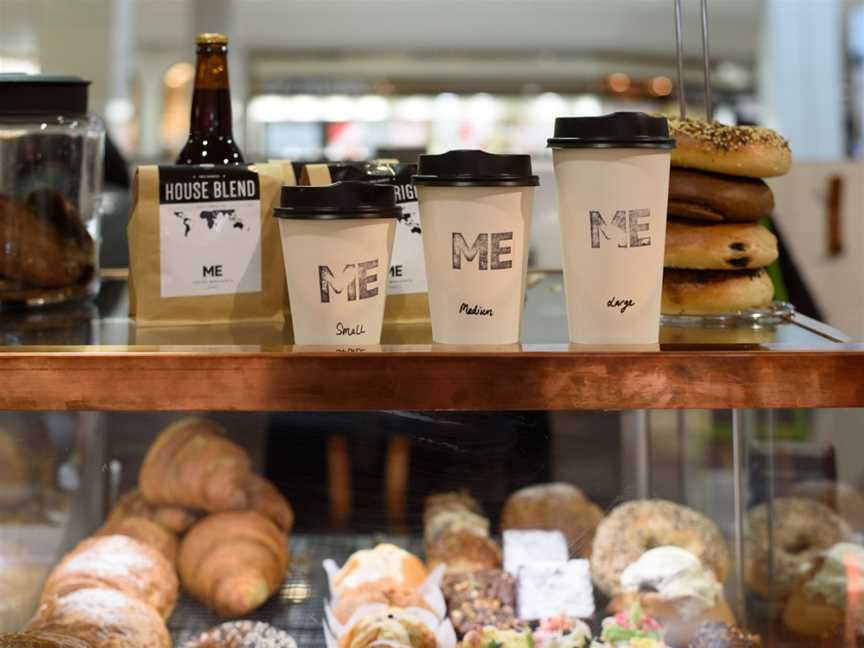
[
  {"x": 209, "y": 231},
  {"x": 407, "y": 267}
]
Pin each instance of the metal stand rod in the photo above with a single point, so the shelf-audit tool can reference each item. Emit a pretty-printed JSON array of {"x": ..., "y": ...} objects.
[
  {"x": 738, "y": 495},
  {"x": 679, "y": 46},
  {"x": 706, "y": 62},
  {"x": 681, "y": 430},
  {"x": 643, "y": 454},
  {"x": 770, "y": 494}
]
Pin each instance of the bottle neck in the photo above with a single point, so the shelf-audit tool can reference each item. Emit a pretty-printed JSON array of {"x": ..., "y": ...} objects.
[{"x": 211, "y": 99}]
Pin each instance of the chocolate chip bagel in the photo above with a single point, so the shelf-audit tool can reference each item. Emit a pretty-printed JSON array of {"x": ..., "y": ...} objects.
[
  {"x": 633, "y": 528},
  {"x": 725, "y": 246}
]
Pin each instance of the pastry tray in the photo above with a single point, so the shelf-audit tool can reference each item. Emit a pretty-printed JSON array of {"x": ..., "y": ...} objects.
[
  {"x": 777, "y": 313},
  {"x": 298, "y": 608}
]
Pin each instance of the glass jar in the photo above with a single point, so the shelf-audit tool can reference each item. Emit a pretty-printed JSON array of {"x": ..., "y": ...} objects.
[{"x": 51, "y": 154}]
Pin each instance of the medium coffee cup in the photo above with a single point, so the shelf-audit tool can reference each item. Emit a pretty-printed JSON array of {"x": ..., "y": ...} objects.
[
  {"x": 612, "y": 174},
  {"x": 476, "y": 210},
  {"x": 337, "y": 241}
]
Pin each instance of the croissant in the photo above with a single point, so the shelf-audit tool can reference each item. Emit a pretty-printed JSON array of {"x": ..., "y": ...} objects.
[
  {"x": 39, "y": 639},
  {"x": 175, "y": 519},
  {"x": 145, "y": 531},
  {"x": 265, "y": 498},
  {"x": 102, "y": 618},
  {"x": 191, "y": 464},
  {"x": 120, "y": 563},
  {"x": 233, "y": 562}
]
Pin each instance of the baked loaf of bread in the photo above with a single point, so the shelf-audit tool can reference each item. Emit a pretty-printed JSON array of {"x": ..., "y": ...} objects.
[
  {"x": 233, "y": 562},
  {"x": 120, "y": 563},
  {"x": 713, "y": 197},
  {"x": 175, "y": 519},
  {"x": 634, "y": 527},
  {"x": 38, "y": 639},
  {"x": 146, "y": 531},
  {"x": 704, "y": 292},
  {"x": 554, "y": 506},
  {"x": 191, "y": 464},
  {"x": 734, "y": 150},
  {"x": 389, "y": 627},
  {"x": 103, "y": 618},
  {"x": 726, "y": 246}
]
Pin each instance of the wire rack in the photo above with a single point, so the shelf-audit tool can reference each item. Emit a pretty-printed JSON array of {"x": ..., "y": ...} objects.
[{"x": 298, "y": 607}]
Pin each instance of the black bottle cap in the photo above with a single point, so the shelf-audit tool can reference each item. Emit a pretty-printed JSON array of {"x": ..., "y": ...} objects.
[
  {"x": 42, "y": 95},
  {"x": 618, "y": 130},
  {"x": 337, "y": 201},
  {"x": 472, "y": 168}
]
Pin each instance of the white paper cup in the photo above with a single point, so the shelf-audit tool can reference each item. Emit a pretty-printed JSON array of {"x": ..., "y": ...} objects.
[
  {"x": 336, "y": 267},
  {"x": 612, "y": 200},
  {"x": 475, "y": 243}
]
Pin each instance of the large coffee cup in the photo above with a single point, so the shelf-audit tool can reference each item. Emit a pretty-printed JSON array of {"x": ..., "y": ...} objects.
[
  {"x": 337, "y": 241},
  {"x": 612, "y": 174},
  {"x": 476, "y": 210}
]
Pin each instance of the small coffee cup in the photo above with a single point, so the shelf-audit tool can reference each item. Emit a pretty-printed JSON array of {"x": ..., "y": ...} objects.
[{"x": 336, "y": 241}]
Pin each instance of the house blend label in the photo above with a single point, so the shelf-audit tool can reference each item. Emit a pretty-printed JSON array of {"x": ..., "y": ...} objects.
[{"x": 209, "y": 231}]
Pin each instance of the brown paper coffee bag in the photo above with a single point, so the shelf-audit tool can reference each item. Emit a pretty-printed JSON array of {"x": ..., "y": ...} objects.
[
  {"x": 407, "y": 295},
  {"x": 204, "y": 246}
]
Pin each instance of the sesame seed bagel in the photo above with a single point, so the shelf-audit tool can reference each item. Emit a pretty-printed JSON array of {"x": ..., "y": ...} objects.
[
  {"x": 633, "y": 528},
  {"x": 707, "y": 292},
  {"x": 721, "y": 246},
  {"x": 734, "y": 150},
  {"x": 803, "y": 531}
]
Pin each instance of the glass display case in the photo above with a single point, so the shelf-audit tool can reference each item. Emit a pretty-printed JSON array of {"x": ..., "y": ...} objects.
[{"x": 753, "y": 430}]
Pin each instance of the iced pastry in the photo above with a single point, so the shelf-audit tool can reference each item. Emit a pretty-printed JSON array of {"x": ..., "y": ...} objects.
[
  {"x": 525, "y": 547},
  {"x": 547, "y": 588},
  {"x": 819, "y": 606},
  {"x": 479, "y": 599},
  {"x": 675, "y": 588},
  {"x": 385, "y": 562},
  {"x": 389, "y": 627},
  {"x": 562, "y": 632},
  {"x": 630, "y": 629},
  {"x": 498, "y": 637},
  {"x": 377, "y": 592}
]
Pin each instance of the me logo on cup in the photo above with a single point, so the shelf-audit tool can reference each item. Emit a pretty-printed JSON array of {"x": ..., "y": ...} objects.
[
  {"x": 357, "y": 284},
  {"x": 487, "y": 249},
  {"x": 621, "y": 220}
]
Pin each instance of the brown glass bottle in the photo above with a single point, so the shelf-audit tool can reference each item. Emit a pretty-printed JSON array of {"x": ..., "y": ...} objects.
[{"x": 211, "y": 136}]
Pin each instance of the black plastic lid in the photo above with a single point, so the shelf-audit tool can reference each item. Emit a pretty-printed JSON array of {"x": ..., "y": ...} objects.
[
  {"x": 472, "y": 168},
  {"x": 618, "y": 130},
  {"x": 42, "y": 94},
  {"x": 337, "y": 201}
]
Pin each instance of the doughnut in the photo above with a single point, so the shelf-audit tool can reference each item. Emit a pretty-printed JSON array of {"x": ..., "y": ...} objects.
[
  {"x": 554, "y": 506},
  {"x": 714, "y": 197},
  {"x": 803, "y": 530},
  {"x": 747, "y": 151},
  {"x": 725, "y": 246},
  {"x": 703, "y": 292},
  {"x": 635, "y": 527},
  {"x": 243, "y": 634},
  {"x": 717, "y": 634}
]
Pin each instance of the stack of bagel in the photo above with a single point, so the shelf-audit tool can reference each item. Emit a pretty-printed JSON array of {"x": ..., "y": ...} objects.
[{"x": 716, "y": 250}]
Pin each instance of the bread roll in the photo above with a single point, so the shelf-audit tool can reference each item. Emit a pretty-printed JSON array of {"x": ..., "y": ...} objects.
[
  {"x": 120, "y": 563},
  {"x": 103, "y": 618},
  {"x": 38, "y": 639},
  {"x": 722, "y": 246},
  {"x": 703, "y": 196}
]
